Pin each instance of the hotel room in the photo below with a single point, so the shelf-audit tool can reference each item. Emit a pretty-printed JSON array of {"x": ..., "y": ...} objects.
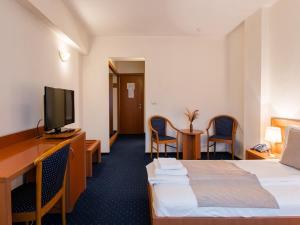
[{"x": 150, "y": 112}]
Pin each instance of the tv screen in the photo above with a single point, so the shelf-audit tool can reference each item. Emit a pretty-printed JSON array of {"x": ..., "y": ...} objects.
[
  {"x": 69, "y": 110},
  {"x": 58, "y": 108}
]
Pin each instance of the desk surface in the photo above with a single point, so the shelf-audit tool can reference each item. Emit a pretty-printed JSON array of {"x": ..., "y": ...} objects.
[{"x": 18, "y": 158}]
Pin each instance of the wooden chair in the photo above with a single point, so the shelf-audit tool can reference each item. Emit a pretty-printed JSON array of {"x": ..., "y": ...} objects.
[
  {"x": 31, "y": 201},
  {"x": 224, "y": 132},
  {"x": 158, "y": 134}
]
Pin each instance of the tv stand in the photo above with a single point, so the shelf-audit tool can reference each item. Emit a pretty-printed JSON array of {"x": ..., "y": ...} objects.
[
  {"x": 62, "y": 133},
  {"x": 61, "y": 130}
]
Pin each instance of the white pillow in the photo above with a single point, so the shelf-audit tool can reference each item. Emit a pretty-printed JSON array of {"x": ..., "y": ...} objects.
[
  {"x": 287, "y": 131},
  {"x": 291, "y": 153}
]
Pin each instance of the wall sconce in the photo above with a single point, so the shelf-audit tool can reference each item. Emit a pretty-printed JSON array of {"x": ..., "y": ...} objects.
[{"x": 64, "y": 55}]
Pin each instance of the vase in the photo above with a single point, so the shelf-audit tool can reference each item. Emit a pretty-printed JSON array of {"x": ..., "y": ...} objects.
[{"x": 191, "y": 127}]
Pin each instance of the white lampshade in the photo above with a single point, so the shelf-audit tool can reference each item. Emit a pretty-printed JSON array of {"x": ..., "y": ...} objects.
[{"x": 273, "y": 135}]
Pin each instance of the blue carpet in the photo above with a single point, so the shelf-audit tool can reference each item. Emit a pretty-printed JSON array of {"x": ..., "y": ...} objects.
[{"x": 117, "y": 192}]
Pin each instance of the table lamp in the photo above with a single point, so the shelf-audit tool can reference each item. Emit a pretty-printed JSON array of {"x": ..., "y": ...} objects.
[{"x": 273, "y": 135}]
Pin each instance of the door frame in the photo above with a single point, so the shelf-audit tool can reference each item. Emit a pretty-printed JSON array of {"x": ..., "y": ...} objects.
[
  {"x": 143, "y": 99},
  {"x": 115, "y": 72}
]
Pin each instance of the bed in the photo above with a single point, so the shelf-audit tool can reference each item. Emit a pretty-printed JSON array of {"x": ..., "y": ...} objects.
[{"x": 176, "y": 204}]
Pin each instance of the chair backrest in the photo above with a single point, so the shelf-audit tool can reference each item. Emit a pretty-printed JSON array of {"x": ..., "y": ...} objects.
[
  {"x": 52, "y": 169},
  {"x": 225, "y": 125},
  {"x": 159, "y": 124}
]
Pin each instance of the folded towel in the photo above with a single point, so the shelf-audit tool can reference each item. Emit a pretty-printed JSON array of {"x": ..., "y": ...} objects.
[
  {"x": 164, "y": 179},
  {"x": 169, "y": 164},
  {"x": 166, "y": 159},
  {"x": 178, "y": 172},
  {"x": 169, "y": 180}
]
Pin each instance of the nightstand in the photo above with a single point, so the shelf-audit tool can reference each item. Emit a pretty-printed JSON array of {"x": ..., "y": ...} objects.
[{"x": 253, "y": 154}]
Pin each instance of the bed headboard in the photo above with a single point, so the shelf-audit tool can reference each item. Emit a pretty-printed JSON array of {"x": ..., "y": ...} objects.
[{"x": 283, "y": 123}]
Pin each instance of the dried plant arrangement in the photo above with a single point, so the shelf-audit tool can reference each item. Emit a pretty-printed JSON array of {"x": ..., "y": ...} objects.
[{"x": 191, "y": 117}]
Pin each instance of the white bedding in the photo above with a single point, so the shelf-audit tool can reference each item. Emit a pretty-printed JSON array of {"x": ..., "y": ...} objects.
[{"x": 281, "y": 181}]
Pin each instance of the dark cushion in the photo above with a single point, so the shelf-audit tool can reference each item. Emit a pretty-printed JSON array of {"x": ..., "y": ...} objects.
[
  {"x": 165, "y": 138},
  {"x": 23, "y": 198},
  {"x": 221, "y": 137},
  {"x": 224, "y": 126},
  {"x": 159, "y": 124},
  {"x": 54, "y": 168}
]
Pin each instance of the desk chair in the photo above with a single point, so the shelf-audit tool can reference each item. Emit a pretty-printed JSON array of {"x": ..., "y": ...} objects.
[
  {"x": 224, "y": 132},
  {"x": 31, "y": 201},
  {"x": 158, "y": 134}
]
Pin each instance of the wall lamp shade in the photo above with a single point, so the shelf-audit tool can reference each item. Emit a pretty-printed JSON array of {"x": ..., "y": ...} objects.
[
  {"x": 64, "y": 55},
  {"x": 273, "y": 135}
]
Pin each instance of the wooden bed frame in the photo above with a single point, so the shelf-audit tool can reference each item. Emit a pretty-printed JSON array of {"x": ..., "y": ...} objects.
[{"x": 156, "y": 220}]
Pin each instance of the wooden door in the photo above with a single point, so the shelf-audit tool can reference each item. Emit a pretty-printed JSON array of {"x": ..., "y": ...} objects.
[{"x": 131, "y": 104}]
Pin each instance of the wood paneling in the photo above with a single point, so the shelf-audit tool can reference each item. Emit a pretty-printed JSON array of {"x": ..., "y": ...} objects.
[
  {"x": 19, "y": 136},
  {"x": 283, "y": 123}
]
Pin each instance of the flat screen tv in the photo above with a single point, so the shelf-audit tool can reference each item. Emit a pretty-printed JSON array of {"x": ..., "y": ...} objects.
[{"x": 58, "y": 108}]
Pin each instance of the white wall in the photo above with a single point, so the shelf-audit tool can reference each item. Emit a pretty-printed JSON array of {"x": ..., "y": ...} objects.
[
  {"x": 130, "y": 66},
  {"x": 29, "y": 61},
  {"x": 248, "y": 72},
  {"x": 284, "y": 61},
  {"x": 236, "y": 74},
  {"x": 58, "y": 17},
  {"x": 271, "y": 66},
  {"x": 252, "y": 80},
  {"x": 180, "y": 72}
]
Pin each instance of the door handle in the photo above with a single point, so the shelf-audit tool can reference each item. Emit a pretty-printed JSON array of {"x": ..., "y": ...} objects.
[{"x": 140, "y": 106}]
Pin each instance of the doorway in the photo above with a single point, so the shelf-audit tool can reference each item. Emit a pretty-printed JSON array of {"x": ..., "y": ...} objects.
[
  {"x": 132, "y": 104},
  {"x": 126, "y": 97}
]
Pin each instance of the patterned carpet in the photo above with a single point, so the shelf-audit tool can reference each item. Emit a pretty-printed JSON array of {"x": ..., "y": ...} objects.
[{"x": 117, "y": 192}]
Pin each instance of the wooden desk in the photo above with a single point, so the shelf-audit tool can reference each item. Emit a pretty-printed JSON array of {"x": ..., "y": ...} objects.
[
  {"x": 191, "y": 144},
  {"x": 17, "y": 159},
  {"x": 253, "y": 154}
]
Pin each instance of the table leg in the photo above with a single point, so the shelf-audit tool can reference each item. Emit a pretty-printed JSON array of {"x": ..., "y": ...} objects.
[
  {"x": 5, "y": 203},
  {"x": 197, "y": 147},
  {"x": 187, "y": 147}
]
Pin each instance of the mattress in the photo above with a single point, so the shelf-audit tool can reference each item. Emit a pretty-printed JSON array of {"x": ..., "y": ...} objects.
[{"x": 283, "y": 182}]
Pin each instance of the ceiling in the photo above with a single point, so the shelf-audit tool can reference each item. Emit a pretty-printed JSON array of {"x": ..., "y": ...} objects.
[{"x": 163, "y": 17}]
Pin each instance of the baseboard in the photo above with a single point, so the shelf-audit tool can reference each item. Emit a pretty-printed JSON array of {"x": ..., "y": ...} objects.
[{"x": 113, "y": 138}]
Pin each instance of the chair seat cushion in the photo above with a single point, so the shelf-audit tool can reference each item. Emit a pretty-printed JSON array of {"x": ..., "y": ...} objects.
[
  {"x": 165, "y": 138},
  {"x": 216, "y": 136},
  {"x": 23, "y": 198}
]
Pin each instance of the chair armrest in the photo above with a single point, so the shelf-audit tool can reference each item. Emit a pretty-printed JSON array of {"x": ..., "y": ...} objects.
[
  {"x": 171, "y": 125},
  {"x": 209, "y": 125}
]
